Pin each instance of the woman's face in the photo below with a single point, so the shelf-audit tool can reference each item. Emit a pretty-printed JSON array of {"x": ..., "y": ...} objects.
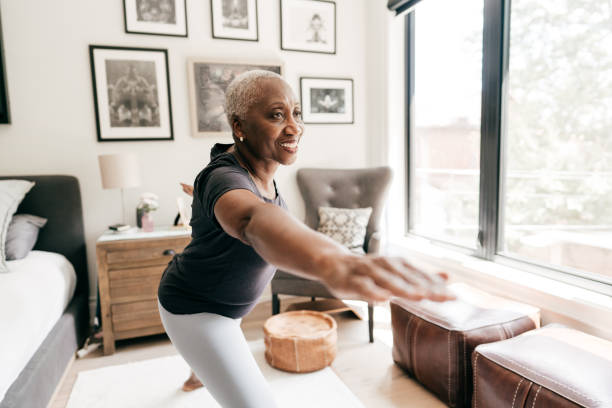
[{"x": 273, "y": 126}]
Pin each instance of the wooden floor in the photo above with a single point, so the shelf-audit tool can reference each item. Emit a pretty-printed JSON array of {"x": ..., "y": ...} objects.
[{"x": 366, "y": 368}]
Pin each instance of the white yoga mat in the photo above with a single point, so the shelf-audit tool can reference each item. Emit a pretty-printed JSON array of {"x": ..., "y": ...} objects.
[{"x": 157, "y": 383}]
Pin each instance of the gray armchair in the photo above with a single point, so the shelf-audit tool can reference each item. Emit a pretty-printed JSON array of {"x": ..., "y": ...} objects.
[{"x": 342, "y": 188}]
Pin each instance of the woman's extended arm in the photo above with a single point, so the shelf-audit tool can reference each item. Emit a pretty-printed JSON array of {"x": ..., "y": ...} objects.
[{"x": 282, "y": 240}]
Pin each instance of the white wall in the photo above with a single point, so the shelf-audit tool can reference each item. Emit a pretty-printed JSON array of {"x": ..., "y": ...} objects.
[
  {"x": 379, "y": 81},
  {"x": 52, "y": 111}
]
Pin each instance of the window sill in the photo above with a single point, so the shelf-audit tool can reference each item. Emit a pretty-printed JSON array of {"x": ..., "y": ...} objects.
[{"x": 559, "y": 302}]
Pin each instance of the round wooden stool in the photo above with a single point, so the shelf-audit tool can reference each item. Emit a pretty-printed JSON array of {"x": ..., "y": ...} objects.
[{"x": 300, "y": 341}]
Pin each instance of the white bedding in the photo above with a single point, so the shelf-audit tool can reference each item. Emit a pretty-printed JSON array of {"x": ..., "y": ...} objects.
[{"x": 33, "y": 296}]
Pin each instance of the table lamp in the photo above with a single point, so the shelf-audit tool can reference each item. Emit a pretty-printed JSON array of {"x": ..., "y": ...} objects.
[{"x": 119, "y": 170}]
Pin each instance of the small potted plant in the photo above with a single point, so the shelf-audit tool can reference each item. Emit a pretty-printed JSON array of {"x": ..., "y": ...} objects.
[{"x": 148, "y": 203}]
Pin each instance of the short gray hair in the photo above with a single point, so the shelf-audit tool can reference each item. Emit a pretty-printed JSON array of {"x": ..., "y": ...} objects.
[{"x": 244, "y": 91}]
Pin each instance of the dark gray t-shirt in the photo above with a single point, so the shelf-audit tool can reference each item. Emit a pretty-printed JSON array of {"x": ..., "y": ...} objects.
[{"x": 216, "y": 273}]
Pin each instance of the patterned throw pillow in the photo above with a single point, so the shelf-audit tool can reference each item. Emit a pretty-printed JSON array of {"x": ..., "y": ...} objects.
[
  {"x": 345, "y": 225},
  {"x": 11, "y": 194}
]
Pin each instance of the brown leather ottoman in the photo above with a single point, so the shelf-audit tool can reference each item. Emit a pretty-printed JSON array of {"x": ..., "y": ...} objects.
[
  {"x": 551, "y": 367},
  {"x": 434, "y": 341}
]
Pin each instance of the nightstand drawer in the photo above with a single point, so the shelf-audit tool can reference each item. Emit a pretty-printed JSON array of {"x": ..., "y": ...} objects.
[
  {"x": 127, "y": 285},
  {"x": 135, "y": 315},
  {"x": 145, "y": 331},
  {"x": 144, "y": 256},
  {"x": 136, "y": 273}
]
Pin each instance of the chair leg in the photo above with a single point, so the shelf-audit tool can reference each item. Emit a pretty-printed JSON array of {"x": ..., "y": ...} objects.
[
  {"x": 371, "y": 322},
  {"x": 275, "y": 304}
]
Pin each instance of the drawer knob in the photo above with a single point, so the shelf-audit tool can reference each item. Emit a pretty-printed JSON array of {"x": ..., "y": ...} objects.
[{"x": 169, "y": 252}]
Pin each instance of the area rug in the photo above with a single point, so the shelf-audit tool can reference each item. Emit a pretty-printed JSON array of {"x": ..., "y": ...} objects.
[{"x": 156, "y": 384}]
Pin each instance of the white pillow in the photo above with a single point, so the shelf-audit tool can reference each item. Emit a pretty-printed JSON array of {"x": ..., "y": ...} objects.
[
  {"x": 345, "y": 225},
  {"x": 11, "y": 195}
]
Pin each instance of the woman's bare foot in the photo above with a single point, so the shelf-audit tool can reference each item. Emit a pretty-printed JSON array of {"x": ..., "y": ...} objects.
[
  {"x": 192, "y": 383},
  {"x": 98, "y": 335}
]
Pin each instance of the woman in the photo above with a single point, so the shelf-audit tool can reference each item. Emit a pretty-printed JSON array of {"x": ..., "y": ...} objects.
[{"x": 241, "y": 232}]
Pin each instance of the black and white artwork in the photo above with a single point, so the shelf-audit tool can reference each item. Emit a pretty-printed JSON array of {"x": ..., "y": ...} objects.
[
  {"x": 308, "y": 25},
  {"x": 326, "y": 100},
  {"x": 156, "y": 11},
  {"x": 235, "y": 14},
  {"x": 160, "y": 17},
  {"x": 131, "y": 93},
  {"x": 234, "y": 19},
  {"x": 208, "y": 82}
]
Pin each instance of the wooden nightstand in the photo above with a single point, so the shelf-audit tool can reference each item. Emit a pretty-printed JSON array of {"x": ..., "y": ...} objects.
[{"x": 130, "y": 266}]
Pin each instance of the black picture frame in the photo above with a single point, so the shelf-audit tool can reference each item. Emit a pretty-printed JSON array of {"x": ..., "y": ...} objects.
[
  {"x": 286, "y": 43},
  {"x": 346, "y": 117},
  {"x": 5, "y": 114},
  {"x": 227, "y": 36},
  {"x": 148, "y": 31},
  {"x": 104, "y": 117}
]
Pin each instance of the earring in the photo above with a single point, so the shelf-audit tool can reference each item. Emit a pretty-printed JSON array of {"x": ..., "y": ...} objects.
[{"x": 241, "y": 139}]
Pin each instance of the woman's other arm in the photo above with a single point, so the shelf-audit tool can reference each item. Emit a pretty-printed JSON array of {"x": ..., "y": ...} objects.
[{"x": 187, "y": 189}]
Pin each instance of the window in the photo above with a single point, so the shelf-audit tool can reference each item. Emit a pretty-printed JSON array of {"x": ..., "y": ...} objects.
[
  {"x": 510, "y": 132},
  {"x": 558, "y": 162},
  {"x": 445, "y": 140}
]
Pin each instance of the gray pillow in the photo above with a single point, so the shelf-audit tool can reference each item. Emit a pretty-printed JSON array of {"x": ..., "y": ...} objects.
[
  {"x": 11, "y": 194},
  {"x": 345, "y": 225},
  {"x": 22, "y": 235}
]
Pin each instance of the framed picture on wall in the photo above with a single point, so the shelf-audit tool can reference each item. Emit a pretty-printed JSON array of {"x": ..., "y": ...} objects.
[
  {"x": 208, "y": 81},
  {"x": 327, "y": 100},
  {"x": 131, "y": 93},
  {"x": 308, "y": 25},
  {"x": 234, "y": 19},
  {"x": 157, "y": 17},
  {"x": 4, "y": 104}
]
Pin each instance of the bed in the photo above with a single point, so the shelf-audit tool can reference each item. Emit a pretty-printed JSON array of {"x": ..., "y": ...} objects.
[{"x": 51, "y": 318}]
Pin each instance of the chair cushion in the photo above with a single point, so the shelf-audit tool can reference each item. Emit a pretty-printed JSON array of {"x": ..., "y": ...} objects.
[
  {"x": 285, "y": 275},
  {"x": 433, "y": 341},
  {"x": 554, "y": 366},
  {"x": 289, "y": 284}
]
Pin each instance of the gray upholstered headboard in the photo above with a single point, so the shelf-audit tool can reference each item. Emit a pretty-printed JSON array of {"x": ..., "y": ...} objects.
[{"x": 58, "y": 199}]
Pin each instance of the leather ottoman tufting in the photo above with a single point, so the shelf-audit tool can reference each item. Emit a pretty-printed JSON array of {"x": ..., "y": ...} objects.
[
  {"x": 551, "y": 367},
  {"x": 434, "y": 341}
]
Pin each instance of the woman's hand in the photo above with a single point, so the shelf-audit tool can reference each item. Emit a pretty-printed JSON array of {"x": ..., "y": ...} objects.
[
  {"x": 187, "y": 188},
  {"x": 377, "y": 278}
]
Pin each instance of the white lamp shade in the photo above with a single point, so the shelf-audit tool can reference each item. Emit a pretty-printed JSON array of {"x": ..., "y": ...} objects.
[{"x": 119, "y": 170}]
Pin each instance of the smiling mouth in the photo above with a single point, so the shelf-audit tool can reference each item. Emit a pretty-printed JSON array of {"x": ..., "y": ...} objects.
[{"x": 291, "y": 147}]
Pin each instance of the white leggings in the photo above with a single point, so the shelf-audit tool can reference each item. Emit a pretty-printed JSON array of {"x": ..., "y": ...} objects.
[{"x": 216, "y": 350}]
